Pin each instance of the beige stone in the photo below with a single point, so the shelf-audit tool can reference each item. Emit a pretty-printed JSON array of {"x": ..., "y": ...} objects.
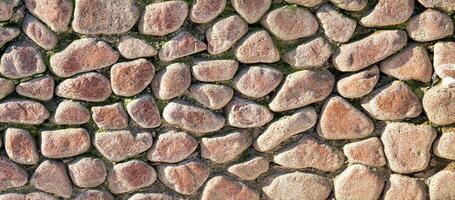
[
  {"x": 223, "y": 188},
  {"x": 257, "y": 47},
  {"x": 406, "y": 188},
  {"x": 120, "y": 145},
  {"x": 181, "y": 45},
  {"x": 172, "y": 147},
  {"x": 214, "y": 70},
  {"x": 430, "y": 25},
  {"x": 367, "y": 152},
  {"x": 222, "y": 149},
  {"x": 185, "y": 178},
  {"x": 64, "y": 143},
  {"x": 358, "y": 182},
  {"x": 359, "y": 84},
  {"x": 309, "y": 55},
  {"x": 250, "y": 169},
  {"x": 388, "y": 13},
  {"x": 243, "y": 113},
  {"x": 224, "y": 33},
  {"x": 162, "y": 18}
]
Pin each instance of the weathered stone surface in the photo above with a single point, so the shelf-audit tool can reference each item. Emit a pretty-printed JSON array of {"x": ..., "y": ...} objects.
[
  {"x": 340, "y": 120},
  {"x": 224, "y": 33},
  {"x": 55, "y": 13},
  {"x": 250, "y": 169},
  {"x": 407, "y": 146},
  {"x": 144, "y": 111},
  {"x": 430, "y": 25},
  {"x": 286, "y": 127},
  {"x": 310, "y": 152},
  {"x": 446, "y": 5},
  {"x": 95, "y": 195},
  {"x": 203, "y": 11},
  {"x": 257, "y": 47},
  {"x": 162, "y": 18},
  {"x": 171, "y": 81},
  {"x": 350, "y": 5},
  {"x": 123, "y": 177},
  {"x": 91, "y": 86},
  {"x": 23, "y": 112},
  {"x": 439, "y": 105},
  {"x": 303, "y": 24},
  {"x": 388, "y": 13},
  {"x": 441, "y": 185},
  {"x": 20, "y": 146},
  {"x": 110, "y": 116},
  {"x": 38, "y": 88},
  {"x": 105, "y": 16},
  {"x": 298, "y": 185},
  {"x": 306, "y": 3},
  {"x": 132, "y": 48},
  {"x": 251, "y": 11},
  {"x": 11, "y": 175},
  {"x": 52, "y": 177},
  {"x": 222, "y": 188},
  {"x": 446, "y": 74},
  {"x": 336, "y": 26},
  {"x": 7, "y": 34},
  {"x": 6, "y": 9},
  {"x": 211, "y": 95},
  {"x": 303, "y": 88},
  {"x": 185, "y": 178},
  {"x": 443, "y": 146},
  {"x": 87, "y": 172},
  {"x": 222, "y": 149},
  {"x": 70, "y": 113},
  {"x": 403, "y": 187},
  {"x": 358, "y": 182},
  {"x": 6, "y": 87},
  {"x": 12, "y": 196},
  {"x": 183, "y": 44},
  {"x": 39, "y": 196},
  {"x": 257, "y": 81},
  {"x": 21, "y": 60},
  {"x": 83, "y": 55},
  {"x": 243, "y": 113},
  {"x": 120, "y": 145},
  {"x": 444, "y": 63},
  {"x": 197, "y": 120},
  {"x": 369, "y": 50},
  {"x": 150, "y": 196},
  {"x": 214, "y": 70},
  {"x": 394, "y": 101},
  {"x": 368, "y": 152},
  {"x": 130, "y": 78},
  {"x": 172, "y": 147},
  {"x": 39, "y": 33},
  {"x": 358, "y": 84},
  {"x": 64, "y": 143},
  {"x": 309, "y": 55}
]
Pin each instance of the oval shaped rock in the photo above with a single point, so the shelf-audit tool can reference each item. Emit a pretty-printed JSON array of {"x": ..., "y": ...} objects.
[
  {"x": 440, "y": 185},
  {"x": 244, "y": 113},
  {"x": 225, "y": 148},
  {"x": 7, "y": 34},
  {"x": 120, "y": 177},
  {"x": 388, "y": 13},
  {"x": 11, "y": 175},
  {"x": 309, "y": 55},
  {"x": 401, "y": 187},
  {"x": 224, "y": 33},
  {"x": 162, "y": 18},
  {"x": 130, "y": 78},
  {"x": 87, "y": 172},
  {"x": 52, "y": 177},
  {"x": 214, "y": 70},
  {"x": 120, "y": 145},
  {"x": 257, "y": 47},
  {"x": 23, "y": 112},
  {"x": 430, "y": 25},
  {"x": 336, "y": 26},
  {"x": 21, "y": 146},
  {"x": 183, "y": 44},
  {"x": 92, "y": 87},
  {"x": 252, "y": 10},
  {"x": 185, "y": 178},
  {"x": 211, "y": 95},
  {"x": 358, "y": 84},
  {"x": 367, "y": 152},
  {"x": 21, "y": 60},
  {"x": 358, "y": 182},
  {"x": 110, "y": 116},
  {"x": 38, "y": 88},
  {"x": 222, "y": 188},
  {"x": 172, "y": 147},
  {"x": 55, "y": 13},
  {"x": 143, "y": 111},
  {"x": 203, "y": 11},
  {"x": 95, "y": 195},
  {"x": 250, "y": 169},
  {"x": 70, "y": 113},
  {"x": 39, "y": 33},
  {"x": 439, "y": 105},
  {"x": 446, "y": 5},
  {"x": 132, "y": 48},
  {"x": 64, "y": 143},
  {"x": 442, "y": 147},
  {"x": 257, "y": 81},
  {"x": 171, "y": 81}
]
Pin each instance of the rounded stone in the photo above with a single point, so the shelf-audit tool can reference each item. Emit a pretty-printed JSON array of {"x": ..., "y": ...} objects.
[
  {"x": 350, "y": 5},
  {"x": 171, "y": 81},
  {"x": 144, "y": 112},
  {"x": 358, "y": 182},
  {"x": 55, "y": 13},
  {"x": 11, "y": 175},
  {"x": 132, "y": 48},
  {"x": 39, "y": 88},
  {"x": 20, "y": 146},
  {"x": 222, "y": 149},
  {"x": 251, "y": 169},
  {"x": 403, "y": 187},
  {"x": 39, "y": 33},
  {"x": 130, "y": 78},
  {"x": 70, "y": 113},
  {"x": 21, "y": 60},
  {"x": 446, "y": 5},
  {"x": 257, "y": 47},
  {"x": 358, "y": 84},
  {"x": 172, "y": 147},
  {"x": 252, "y": 10},
  {"x": 224, "y": 33},
  {"x": 120, "y": 145},
  {"x": 7, "y": 9},
  {"x": 430, "y": 25},
  {"x": 87, "y": 172},
  {"x": 110, "y": 116},
  {"x": 336, "y": 26},
  {"x": 388, "y": 13},
  {"x": 150, "y": 196},
  {"x": 257, "y": 81},
  {"x": 162, "y": 18},
  {"x": 214, "y": 70},
  {"x": 222, "y": 188},
  {"x": 309, "y": 55},
  {"x": 210, "y": 95},
  {"x": 203, "y": 11},
  {"x": 91, "y": 86},
  {"x": 185, "y": 178},
  {"x": 7, "y": 34},
  {"x": 439, "y": 105},
  {"x": 64, "y": 143},
  {"x": 367, "y": 152},
  {"x": 122, "y": 178},
  {"x": 181, "y": 45},
  {"x": 442, "y": 147},
  {"x": 441, "y": 185},
  {"x": 243, "y": 113},
  {"x": 52, "y": 177},
  {"x": 39, "y": 196},
  {"x": 6, "y": 87},
  {"x": 23, "y": 112},
  {"x": 95, "y": 195}
]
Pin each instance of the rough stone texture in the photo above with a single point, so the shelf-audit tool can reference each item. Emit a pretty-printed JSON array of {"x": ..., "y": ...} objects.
[
  {"x": 250, "y": 169},
  {"x": 162, "y": 18},
  {"x": 243, "y": 113},
  {"x": 367, "y": 152},
  {"x": 171, "y": 81},
  {"x": 210, "y": 95},
  {"x": 52, "y": 177},
  {"x": 446, "y": 5},
  {"x": 20, "y": 146},
  {"x": 70, "y": 113},
  {"x": 21, "y": 60},
  {"x": 91, "y": 86},
  {"x": 441, "y": 185},
  {"x": 39, "y": 33},
  {"x": 144, "y": 111},
  {"x": 306, "y": 3},
  {"x": 257, "y": 47},
  {"x": 309, "y": 55},
  {"x": 64, "y": 143},
  {"x": 39, "y": 88},
  {"x": 39, "y": 196},
  {"x": 6, "y": 87},
  {"x": 358, "y": 84},
  {"x": 185, "y": 178},
  {"x": 11, "y": 175},
  {"x": 214, "y": 70},
  {"x": 110, "y": 116},
  {"x": 224, "y": 33},
  {"x": 123, "y": 177},
  {"x": 403, "y": 187},
  {"x": 150, "y": 196},
  {"x": 95, "y": 195},
  {"x": 183, "y": 44},
  {"x": 7, "y": 34},
  {"x": 222, "y": 188},
  {"x": 132, "y": 48},
  {"x": 252, "y": 10},
  {"x": 358, "y": 182},
  {"x": 443, "y": 146},
  {"x": 443, "y": 54},
  {"x": 407, "y": 146},
  {"x": 23, "y": 112},
  {"x": 6, "y": 9},
  {"x": 429, "y": 25},
  {"x": 439, "y": 106},
  {"x": 388, "y": 13},
  {"x": 55, "y": 13},
  {"x": 257, "y": 81},
  {"x": 130, "y": 78},
  {"x": 225, "y": 148},
  {"x": 336, "y": 26},
  {"x": 172, "y": 147},
  {"x": 87, "y": 172},
  {"x": 120, "y": 145},
  {"x": 203, "y": 11}
]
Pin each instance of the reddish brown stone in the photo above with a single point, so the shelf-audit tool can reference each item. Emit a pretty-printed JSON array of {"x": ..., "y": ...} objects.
[
  {"x": 224, "y": 33},
  {"x": 110, "y": 116},
  {"x": 64, "y": 143},
  {"x": 368, "y": 152},
  {"x": 257, "y": 81},
  {"x": 52, "y": 177},
  {"x": 172, "y": 147},
  {"x": 55, "y": 13},
  {"x": 91, "y": 86},
  {"x": 39, "y": 33},
  {"x": 70, "y": 113},
  {"x": 225, "y": 148},
  {"x": 95, "y": 195},
  {"x": 244, "y": 113},
  {"x": 38, "y": 88},
  {"x": 87, "y": 172},
  {"x": 185, "y": 178},
  {"x": 171, "y": 81},
  {"x": 130, "y": 78},
  {"x": 21, "y": 146},
  {"x": 203, "y": 11},
  {"x": 183, "y": 44},
  {"x": 120, "y": 145},
  {"x": 222, "y": 188},
  {"x": 162, "y": 18},
  {"x": 144, "y": 111},
  {"x": 11, "y": 175},
  {"x": 23, "y": 112},
  {"x": 21, "y": 60},
  {"x": 250, "y": 169},
  {"x": 214, "y": 70},
  {"x": 388, "y": 13},
  {"x": 124, "y": 177}
]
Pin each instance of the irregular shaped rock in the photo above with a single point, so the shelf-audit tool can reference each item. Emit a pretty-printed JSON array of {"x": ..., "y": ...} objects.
[
  {"x": 87, "y": 172},
  {"x": 446, "y": 74},
  {"x": 39, "y": 88},
  {"x": 12, "y": 196},
  {"x": 224, "y": 33},
  {"x": 442, "y": 147},
  {"x": 211, "y": 95},
  {"x": 91, "y": 86},
  {"x": 368, "y": 152},
  {"x": 171, "y": 81},
  {"x": 444, "y": 53},
  {"x": 286, "y": 127},
  {"x": 290, "y": 23},
  {"x": 388, "y": 13},
  {"x": 11, "y": 175},
  {"x": 150, "y": 196},
  {"x": 225, "y": 148},
  {"x": 369, "y": 50},
  {"x": 120, "y": 145},
  {"x": 250, "y": 169},
  {"x": 309, "y": 55},
  {"x": 130, "y": 78},
  {"x": 144, "y": 112},
  {"x": 172, "y": 147},
  {"x": 413, "y": 63},
  {"x": 214, "y": 70},
  {"x": 244, "y": 113},
  {"x": 394, "y": 101},
  {"x": 407, "y": 146},
  {"x": 39, "y": 33},
  {"x": 257, "y": 47},
  {"x": 162, "y": 18},
  {"x": 23, "y": 112},
  {"x": 110, "y": 116},
  {"x": 298, "y": 185},
  {"x": 55, "y": 13},
  {"x": 342, "y": 121},
  {"x": 195, "y": 119},
  {"x": 70, "y": 113},
  {"x": 446, "y": 5},
  {"x": 21, "y": 60},
  {"x": 203, "y": 11},
  {"x": 310, "y": 153},
  {"x": 222, "y": 188},
  {"x": 7, "y": 34},
  {"x": 123, "y": 177},
  {"x": 183, "y": 44},
  {"x": 64, "y": 143},
  {"x": 83, "y": 55},
  {"x": 336, "y": 26},
  {"x": 7, "y": 9},
  {"x": 39, "y": 196},
  {"x": 185, "y": 178},
  {"x": 251, "y": 11},
  {"x": 441, "y": 185},
  {"x": 403, "y": 187},
  {"x": 21, "y": 146},
  {"x": 105, "y": 16},
  {"x": 52, "y": 177},
  {"x": 350, "y": 5},
  {"x": 95, "y": 195},
  {"x": 439, "y": 105},
  {"x": 257, "y": 81},
  {"x": 6, "y": 87},
  {"x": 132, "y": 48},
  {"x": 358, "y": 84},
  {"x": 358, "y": 182},
  {"x": 430, "y": 25},
  {"x": 303, "y": 88}
]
